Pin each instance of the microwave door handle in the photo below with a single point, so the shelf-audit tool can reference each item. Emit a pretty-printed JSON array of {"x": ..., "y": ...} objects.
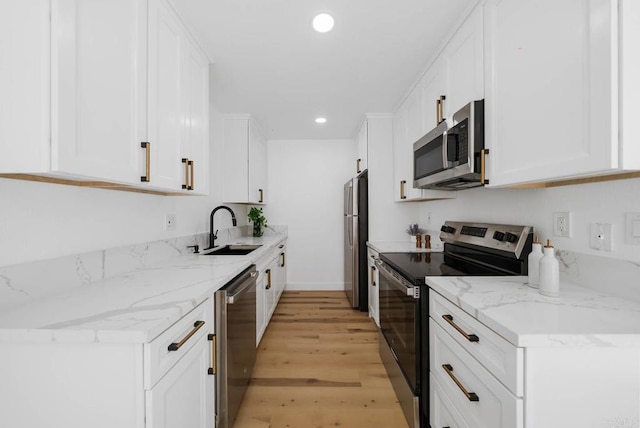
[{"x": 445, "y": 150}]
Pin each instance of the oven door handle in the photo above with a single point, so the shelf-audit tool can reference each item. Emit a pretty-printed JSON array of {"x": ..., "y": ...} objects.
[{"x": 397, "y": 283}]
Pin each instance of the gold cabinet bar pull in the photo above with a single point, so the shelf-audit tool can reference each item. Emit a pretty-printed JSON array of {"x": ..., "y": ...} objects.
[
  {"x": 185, "y": 161},
  {"x": 191, "y": 168},
  {"x": 261, "y": 198},
  {"x": 196, "y": 326},
  {"x": 373, "y": 276},
  {"x": 147, "y": 169},
  {"x": 358, "y": 170},
  {"x": 437, "y": 111},
  {"x": 402, "y": 185},
  {"x": 268, "y": 279},
  {"x": 483, "y": 171},
  {"x": 441, "y": 107},
  {"x": 470, "y": 337},
  {"x": 282, "y": 259},
  {"x": 214, "y": 355},
  {"x": 471, "y": 396}
]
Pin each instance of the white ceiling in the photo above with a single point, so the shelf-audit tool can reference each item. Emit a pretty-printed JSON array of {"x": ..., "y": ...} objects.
[{"x": 269, "y": 61}]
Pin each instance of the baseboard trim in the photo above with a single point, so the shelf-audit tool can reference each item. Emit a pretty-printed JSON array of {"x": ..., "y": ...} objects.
[{"x": 315, "y": 286}]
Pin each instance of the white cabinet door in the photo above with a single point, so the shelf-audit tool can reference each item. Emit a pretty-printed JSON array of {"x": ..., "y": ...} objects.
[
  {"x": 281, "y": 273},
  {"x": 551, "y": 97},
  {"x": 245, "y": 161},
  {"x": 464, "y": 64},
  {"x": 196, "y": 119},
  {"x": 432, "y": 87},
  {"x": 184, "y": 396},
  {"x": 261, "y": 305},
  {"x": 270, "y": 293},
  {"x": 166, "y": 46},
  {"x": 403, "y": 153},
  {"x": 373, "y": 286},
  {"x": 257, "y": 165},
  {"x": 362, "y": 153},
  {"x": 98, "y": 89}
]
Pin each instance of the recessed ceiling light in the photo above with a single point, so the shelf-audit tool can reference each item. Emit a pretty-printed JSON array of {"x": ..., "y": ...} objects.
[
  {"x": 321, "y": 119},
  {"x": 323, "y": 22}
]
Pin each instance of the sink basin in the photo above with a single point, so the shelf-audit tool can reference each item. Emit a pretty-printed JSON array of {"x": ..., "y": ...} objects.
[{"x": 232, "y": 250}]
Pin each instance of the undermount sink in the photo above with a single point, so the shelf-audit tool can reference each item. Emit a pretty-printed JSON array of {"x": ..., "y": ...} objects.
[{"x": 232, "y": 250}]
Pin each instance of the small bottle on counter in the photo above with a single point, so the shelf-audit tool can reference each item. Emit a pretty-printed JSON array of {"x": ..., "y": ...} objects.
[
  {"x": 418, "y": 241},
  {"x": 427, "y": 242},
  {"x": 534, "y": 263},
  {"x": 549, "y": 272}
]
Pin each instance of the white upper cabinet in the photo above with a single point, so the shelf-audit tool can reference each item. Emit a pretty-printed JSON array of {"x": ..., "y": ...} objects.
[
  {"x": 362, "y": 149},
  {"x": 553, "y": 88},
  {"x": 432, "y": 90},
  {"x": 98, "y": 93},
  {"x": 166, "y": 46},
  {"x": 245, "y": 161},
  {"x": 403, "y": 150},
  {"x": 108, "y": 80}
]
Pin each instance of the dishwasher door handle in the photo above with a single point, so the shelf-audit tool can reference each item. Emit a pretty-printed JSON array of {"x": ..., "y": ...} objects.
[{"x": 241, "y": 287}]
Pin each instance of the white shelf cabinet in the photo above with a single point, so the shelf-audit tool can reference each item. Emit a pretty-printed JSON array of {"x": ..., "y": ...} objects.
[
  {"x": 245, "y": 165},
  {"x": 553, "y": 97},
  {"x": 271, "y": 282},
  {"x": 105, "y": 77}
]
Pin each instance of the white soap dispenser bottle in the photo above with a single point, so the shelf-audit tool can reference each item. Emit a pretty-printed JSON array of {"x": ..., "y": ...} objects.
[
  {"x": 534, "y": 263},
  {"x": 549, "y": 272}
]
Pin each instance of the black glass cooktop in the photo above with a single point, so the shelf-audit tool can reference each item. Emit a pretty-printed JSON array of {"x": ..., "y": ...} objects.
[{"x": 455, "y": 261}]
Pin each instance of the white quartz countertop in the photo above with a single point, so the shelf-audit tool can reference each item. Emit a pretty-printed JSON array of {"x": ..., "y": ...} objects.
[
  {"x": 402, "y": 247},
  {"x": 131, "y": 308},
  {"x": 579, "y": 317}
]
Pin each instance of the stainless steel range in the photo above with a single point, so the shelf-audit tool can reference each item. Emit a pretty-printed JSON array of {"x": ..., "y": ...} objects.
[{"x": 471, "y": 249}]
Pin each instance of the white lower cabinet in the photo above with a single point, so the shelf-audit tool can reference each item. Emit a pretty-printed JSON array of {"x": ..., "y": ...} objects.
[
  {"x": 106, "y": 385},
  {"x": 184, "y": 396},
  {"x": 443, "y": 412},
  {"x": 374, "y": 296},
  {"x": 271, "y": 283}
]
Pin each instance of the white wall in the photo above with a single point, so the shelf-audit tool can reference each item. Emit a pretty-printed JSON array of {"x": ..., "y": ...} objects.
[
  {"x": 41, "y": 221},
  {"x": 306, "y": 179},
  {"x": 605, "y": 202}
]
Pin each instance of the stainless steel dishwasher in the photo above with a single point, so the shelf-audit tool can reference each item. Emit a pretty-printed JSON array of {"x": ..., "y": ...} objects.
[{"x": 235, "y": 305}]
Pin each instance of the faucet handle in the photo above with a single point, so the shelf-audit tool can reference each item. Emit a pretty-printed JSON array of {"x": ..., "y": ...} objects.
[{"x": 215, "y": 235}]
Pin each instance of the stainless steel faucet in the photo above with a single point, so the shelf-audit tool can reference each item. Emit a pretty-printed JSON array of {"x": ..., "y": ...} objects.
[{"x": 213, "y": 236}]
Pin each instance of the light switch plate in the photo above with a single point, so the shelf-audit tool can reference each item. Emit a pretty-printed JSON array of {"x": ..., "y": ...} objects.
[
  {"x": 632, "y": 229},
  {"x": 562, "y": 224}
]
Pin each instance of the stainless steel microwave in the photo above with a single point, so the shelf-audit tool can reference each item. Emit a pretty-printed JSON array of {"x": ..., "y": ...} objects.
[{"x": 450, "y": 158}]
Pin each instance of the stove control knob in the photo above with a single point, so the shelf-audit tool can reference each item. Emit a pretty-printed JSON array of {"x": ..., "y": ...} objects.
[
  {"x": 498, "y": 236},
  {"x": 510, "y": 237}
]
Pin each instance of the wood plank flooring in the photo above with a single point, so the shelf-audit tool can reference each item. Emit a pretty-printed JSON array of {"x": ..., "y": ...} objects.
[{"x": 318, "y": 366}]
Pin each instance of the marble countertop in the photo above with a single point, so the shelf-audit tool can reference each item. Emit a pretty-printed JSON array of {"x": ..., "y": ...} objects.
[
  {"x": 130, "y": 308},
  {"x": 579, "y": 317},
  {"x": 402, "y": 247}
]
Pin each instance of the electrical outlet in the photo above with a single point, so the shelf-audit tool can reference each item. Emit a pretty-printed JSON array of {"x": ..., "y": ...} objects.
[
  {"x": 562, "y": 224},
  {"x": 632, "y": 233},
  {"x": 600, "y": 238},
  {"x": 170, "y": 222}
]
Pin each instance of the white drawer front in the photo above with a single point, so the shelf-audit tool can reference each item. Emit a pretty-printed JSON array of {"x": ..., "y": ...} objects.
[
  {"x": 442, "y": 413},
  {"x": 185, "y": 333},
  {"x": 495, "y": 407},
  {"x": 504, "y": 360}
]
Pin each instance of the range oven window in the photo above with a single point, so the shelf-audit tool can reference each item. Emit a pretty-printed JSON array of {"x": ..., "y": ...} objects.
[
  {"x": 399, "y": 321},
  {"x": 428, "y": 160}
]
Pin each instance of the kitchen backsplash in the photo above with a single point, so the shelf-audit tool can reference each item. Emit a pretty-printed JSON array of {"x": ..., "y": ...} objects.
[{"x": 27, "y": 281}]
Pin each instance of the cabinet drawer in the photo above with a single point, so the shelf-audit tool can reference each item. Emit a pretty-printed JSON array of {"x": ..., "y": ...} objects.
[
  {"x": 482, "y": 401},
  {"x": 504, "y": 360},
  {"x": 185, "y": 333},
  {"x": 442, "y": 413}
]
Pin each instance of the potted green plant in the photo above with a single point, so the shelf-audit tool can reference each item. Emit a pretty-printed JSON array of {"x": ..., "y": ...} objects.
[{"x": 259, "y": 221}]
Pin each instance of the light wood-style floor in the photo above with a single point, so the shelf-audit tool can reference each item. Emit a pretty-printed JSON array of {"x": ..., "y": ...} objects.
[{"x": 318, "y": 366}]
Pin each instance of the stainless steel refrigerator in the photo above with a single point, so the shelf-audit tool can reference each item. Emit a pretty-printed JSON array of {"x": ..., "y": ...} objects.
[{"x": 356, "y": 233}]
